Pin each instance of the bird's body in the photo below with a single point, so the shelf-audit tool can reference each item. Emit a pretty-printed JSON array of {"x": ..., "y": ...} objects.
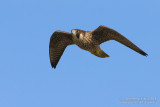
[{"x": 86, "y": 40}]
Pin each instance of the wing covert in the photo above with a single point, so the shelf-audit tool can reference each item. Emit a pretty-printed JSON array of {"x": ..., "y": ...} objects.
[{"x": 103, "y": 34}]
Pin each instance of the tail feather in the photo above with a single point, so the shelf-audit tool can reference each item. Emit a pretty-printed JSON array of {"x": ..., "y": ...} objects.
[{"x": 100, "y": 53}]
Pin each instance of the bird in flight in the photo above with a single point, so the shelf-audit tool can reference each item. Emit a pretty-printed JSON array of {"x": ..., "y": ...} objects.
[{"x": 87, "y": 40}]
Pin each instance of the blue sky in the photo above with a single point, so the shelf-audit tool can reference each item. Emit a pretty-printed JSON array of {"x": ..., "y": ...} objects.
[{"x": 80, "y": 79}]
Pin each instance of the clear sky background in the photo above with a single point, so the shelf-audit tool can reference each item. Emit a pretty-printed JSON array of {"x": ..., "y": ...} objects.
[{"x": 80, "y": 79}]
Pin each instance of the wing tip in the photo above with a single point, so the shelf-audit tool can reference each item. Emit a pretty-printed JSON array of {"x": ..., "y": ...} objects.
[
  {"x": 143, "y": 53},
  {"x": 53, "y": 66}
]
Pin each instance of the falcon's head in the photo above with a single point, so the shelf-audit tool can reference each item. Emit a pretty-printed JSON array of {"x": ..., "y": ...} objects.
[{"x": 76, "y": 32}]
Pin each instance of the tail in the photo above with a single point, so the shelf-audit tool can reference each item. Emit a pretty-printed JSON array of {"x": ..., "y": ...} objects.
[{"x": 100, "y": 53}]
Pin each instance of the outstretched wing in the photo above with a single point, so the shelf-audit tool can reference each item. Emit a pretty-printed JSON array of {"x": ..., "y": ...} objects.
[
  {"x": 103, "y": 34},
  {"x": 58, "y": 42}
]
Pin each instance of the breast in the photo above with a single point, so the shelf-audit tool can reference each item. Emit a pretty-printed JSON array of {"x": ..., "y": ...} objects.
[{"x": 85, "y": 43}]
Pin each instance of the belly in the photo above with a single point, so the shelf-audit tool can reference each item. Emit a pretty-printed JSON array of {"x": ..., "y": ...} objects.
[
  {"x": 86, "y": 46},
  {"x": 85, "y": 43}
]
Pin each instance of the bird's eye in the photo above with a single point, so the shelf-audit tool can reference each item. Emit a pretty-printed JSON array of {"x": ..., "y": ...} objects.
[{"x": 77, "y": 31}]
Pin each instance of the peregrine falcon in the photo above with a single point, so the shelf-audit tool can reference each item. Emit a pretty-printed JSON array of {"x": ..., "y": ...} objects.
[{"x": 87, "y": 40}]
